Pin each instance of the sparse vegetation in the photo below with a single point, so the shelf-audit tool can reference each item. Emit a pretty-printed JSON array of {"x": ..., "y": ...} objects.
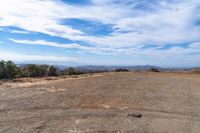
[
  {"x": 121, "y": 70},
  {"x": 52, "y": 71},
  {"x": 32, "y": 70},
  {"x": 153, "y": 70},
  {"x": 196, "y": 70},
  {"x": 8, "y": 70},
  {"x": 71, "y": 71}
]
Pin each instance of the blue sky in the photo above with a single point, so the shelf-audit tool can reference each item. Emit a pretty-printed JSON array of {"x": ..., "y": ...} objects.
[{"x": 101, "y": 32}]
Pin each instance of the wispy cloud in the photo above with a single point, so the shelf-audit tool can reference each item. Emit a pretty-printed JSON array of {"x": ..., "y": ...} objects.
[
  {"x": 33, "y": 57},
  {"x": 134, "y": 25},
  {"x": 153, "y": 52},
  {"x": 168, "y": 22},
  {"x": 52, "y": 44},
  {"x": 19, "y": 32},
  {"x": 90, "y": 49}
]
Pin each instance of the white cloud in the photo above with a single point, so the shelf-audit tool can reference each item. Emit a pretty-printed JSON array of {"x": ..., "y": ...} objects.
[
  {"x": 29, "y": 57},
  {"x": 19, "y": 32},
  {"x": 153, "y": 56},
  {"x": 32, "y": 16},
  {"x": 100, "y": 50},
  {"x": 169, "y": 23},
  {"x": 152, "y": 52},
  {"x": 195, "y": 45},
  {"x": 166, "y": 23},
  {"x": 52, "y": 44}
]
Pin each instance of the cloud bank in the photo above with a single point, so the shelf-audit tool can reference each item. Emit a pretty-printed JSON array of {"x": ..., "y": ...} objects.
[{"x": 117, "y": 27}]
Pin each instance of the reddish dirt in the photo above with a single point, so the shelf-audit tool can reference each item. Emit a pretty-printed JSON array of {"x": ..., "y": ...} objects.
[{"x": 168, "y": 102}]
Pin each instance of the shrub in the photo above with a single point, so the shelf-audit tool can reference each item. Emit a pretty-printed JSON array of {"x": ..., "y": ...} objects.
[
  {"x": 52, "y": 71},
  {"x": 8, "y": 70},
  {"x": 153, "y": 70},
  {"x": 43, "y": 70},
  {"x": 32, "y": 70},
  {"x": 2, "y": 69},
  {"x": 121, "y": 70},
  {"x": 71, "y": 71},
  {"x": 196, "y": 70}
]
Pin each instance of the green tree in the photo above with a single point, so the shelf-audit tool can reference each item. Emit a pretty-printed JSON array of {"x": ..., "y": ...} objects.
[
  {"x": 71, "y": 71},
  {"x": 7, "y": 70},
  {"x": 43, "y": 70},
  {"x": 2, "y": 69},
  {"x": 31, "y": 70},
  {"x": 52, "y": 71},
  {"x": 11, "y": 70},
  {"x": 19, "y": 72}
]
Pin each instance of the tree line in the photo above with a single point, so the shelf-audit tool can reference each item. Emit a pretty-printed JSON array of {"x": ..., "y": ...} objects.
[{"x": 9, "y": 70}]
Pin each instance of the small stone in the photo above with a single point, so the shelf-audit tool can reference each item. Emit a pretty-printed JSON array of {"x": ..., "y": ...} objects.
[
  {"x": 138, "y": 115},
  {"x": 106, "y": 106}
]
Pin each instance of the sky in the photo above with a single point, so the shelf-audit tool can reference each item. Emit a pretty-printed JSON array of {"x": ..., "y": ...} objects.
[{"x": 164, "y": 33}]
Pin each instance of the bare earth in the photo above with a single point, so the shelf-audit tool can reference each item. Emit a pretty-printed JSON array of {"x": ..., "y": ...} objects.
[{"x": 168, "y": 102}]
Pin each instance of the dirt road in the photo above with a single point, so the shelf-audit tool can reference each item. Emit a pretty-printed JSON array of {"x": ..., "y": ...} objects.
[{"x": 168, "y": 103}]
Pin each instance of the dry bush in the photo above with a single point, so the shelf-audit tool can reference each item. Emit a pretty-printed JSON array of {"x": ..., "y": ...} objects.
[{"x": 196, "y": 70}]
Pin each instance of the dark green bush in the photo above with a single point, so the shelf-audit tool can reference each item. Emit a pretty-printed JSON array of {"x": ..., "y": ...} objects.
[
  {"x": 8, "y": 70},
  {"x": 52, "y": 71},
  {"x": 121, "y": 70},
  {"x": 71, "y": 71},
  {"x": 153, "y": 70}
]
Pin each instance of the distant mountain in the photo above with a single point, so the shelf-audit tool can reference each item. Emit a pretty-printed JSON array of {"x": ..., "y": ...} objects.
[
  {"x": 63, "y": 66},
  {"x": 112, "y": 68},
  {"x": 93, "y": 68},
  {"x": 134, "y": 68}
]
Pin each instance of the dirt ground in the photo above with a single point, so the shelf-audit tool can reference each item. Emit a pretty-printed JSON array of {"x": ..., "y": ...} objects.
[{"x": 168, "y": 103}]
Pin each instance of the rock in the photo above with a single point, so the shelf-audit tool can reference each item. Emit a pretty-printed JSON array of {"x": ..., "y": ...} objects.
[{"x": 138, "y": 115}]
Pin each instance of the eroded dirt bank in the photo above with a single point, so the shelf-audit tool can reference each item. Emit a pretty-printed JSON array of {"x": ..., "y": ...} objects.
[{"x": 168, "y": 102}]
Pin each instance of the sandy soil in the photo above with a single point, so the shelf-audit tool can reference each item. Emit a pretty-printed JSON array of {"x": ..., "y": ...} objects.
[{"x": 168, "y": 103}]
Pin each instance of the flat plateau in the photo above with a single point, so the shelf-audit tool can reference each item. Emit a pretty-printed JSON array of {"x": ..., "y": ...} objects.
[{"x": 167, "y": 102}]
